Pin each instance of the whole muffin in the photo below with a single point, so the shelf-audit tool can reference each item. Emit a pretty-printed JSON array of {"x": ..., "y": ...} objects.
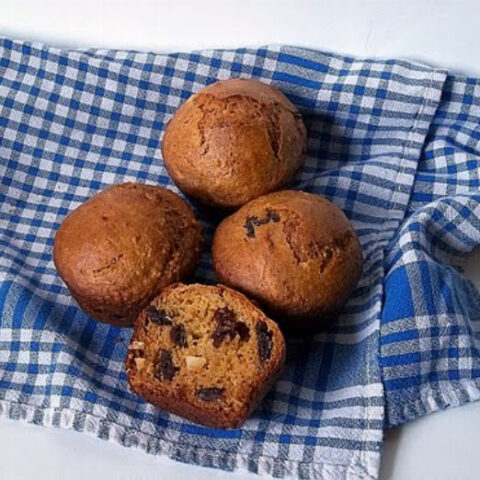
[
  {"x": 234, "y": 141},
  {"x": 295, "y": 252},
  {"x": 118, "y": 250}
]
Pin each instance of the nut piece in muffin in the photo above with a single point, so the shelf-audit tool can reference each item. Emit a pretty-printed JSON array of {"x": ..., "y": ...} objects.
[
  {"x": 294, "y": 252},
  {"x": 205, "y": 353},
  {"x": 118, "y": 250},
  {"x": 233, "y": 141}
]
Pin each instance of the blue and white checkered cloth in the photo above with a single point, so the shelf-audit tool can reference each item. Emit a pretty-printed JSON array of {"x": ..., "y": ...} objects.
[{"x": 394, "y": 144}]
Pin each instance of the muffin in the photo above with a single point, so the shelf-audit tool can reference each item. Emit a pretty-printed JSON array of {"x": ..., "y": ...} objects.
[
  {"x": 118, "y": 250},
  {"x": 234, "y": 141},
  {"x": 205, "y": 353},
  {"x": 295, "y": 252}
]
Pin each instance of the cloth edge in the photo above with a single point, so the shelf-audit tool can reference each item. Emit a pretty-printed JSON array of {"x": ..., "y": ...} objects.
[
  {"x": 127, "y": 437},
  {"x": 453, "y": 394}
]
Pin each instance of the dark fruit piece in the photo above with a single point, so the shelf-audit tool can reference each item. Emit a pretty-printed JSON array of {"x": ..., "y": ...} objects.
[
  {"x": 209, "y": 394},
  {"x": 264, "y": 341},
  {"x": 178, "y": 335},
  {"x": 158, "y": 317},
  {"x": 164, "y": 366},
  {"x": 253, "y": 221},
  {"x": 227, "y": 326},
  {"x": 242, "y": 330}
]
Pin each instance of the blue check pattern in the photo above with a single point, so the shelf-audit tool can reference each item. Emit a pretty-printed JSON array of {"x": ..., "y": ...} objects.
[
  {"x": 394, "y": 144},
  {"x": 430, "y": 333}
]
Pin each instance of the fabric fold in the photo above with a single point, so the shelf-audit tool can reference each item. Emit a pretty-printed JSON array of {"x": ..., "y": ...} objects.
[{"x": 430, "y": 322}]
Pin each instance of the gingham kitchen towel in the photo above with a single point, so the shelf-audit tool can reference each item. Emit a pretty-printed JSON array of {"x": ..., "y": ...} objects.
[{"x": 384, "y": 144}]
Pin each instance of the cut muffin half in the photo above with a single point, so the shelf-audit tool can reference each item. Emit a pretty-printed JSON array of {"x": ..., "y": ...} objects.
[{"x": 205, "y": 353}]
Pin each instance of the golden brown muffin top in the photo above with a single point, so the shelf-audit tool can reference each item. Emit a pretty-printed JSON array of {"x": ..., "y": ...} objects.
[
  {"x": 234, "y": 141},
  {"x": 124, "y": 244},
  {"x": 295, "y": 252}
]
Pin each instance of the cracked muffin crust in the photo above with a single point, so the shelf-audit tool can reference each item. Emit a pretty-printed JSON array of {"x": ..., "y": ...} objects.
[
  {"x": 119, "y": 249},
  {"x": 294, "y": 252},
  {"x": 233, "y": 141},
  {"x": 205, "y": 353}
]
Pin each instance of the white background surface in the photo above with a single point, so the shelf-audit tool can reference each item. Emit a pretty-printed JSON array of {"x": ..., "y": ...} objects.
[{"x": 442, "y": 33}]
